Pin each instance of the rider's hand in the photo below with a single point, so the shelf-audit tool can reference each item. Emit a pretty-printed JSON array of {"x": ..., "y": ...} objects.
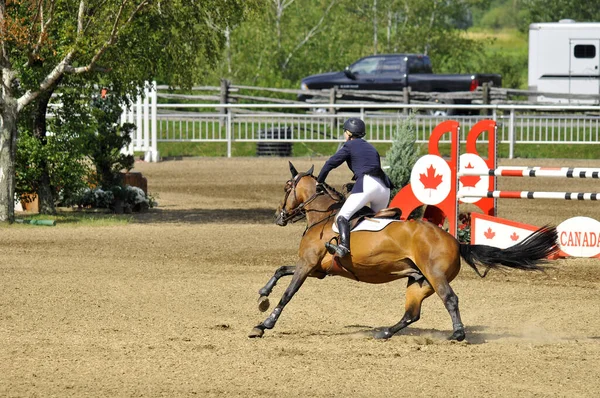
[{"x": 321, "y": 188}]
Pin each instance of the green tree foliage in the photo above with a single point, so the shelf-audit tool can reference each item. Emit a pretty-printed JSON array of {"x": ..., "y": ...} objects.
[
  {"x": 502, "y": 14},
  {"x": 497, "y": 14},
  {"x": 555, "y": 10},
  {"x": 327, "y": 35},
  {"x": 295, "y": 38},
  {"x": 116, "y": 43},
  {"x": 512, "y": 67},
  {"x": 83, "y": 148},
  {"x": 62, "y": 153},
  {"x": 276, "y": 47}
]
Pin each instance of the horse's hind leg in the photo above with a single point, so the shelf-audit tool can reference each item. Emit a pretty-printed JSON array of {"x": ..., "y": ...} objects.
[
  {"x": 263, "y": 299},
  {"x": 451, "y": 303},
  {"x": 416, "y": 292},
  {"x": 450, "y": 299}
]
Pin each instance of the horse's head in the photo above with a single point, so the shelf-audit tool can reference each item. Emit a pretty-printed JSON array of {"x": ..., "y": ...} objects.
[{"x": 299, "y": 190}]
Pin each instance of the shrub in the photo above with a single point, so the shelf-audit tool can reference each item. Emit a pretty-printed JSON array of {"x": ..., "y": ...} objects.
[
  {"x": 131, "y": 199},
  {"x": 403, "y": 153},
  {"x": 464, "y": 228},
  {"x": 401, "y": 158},
  {"x": 106, "y": 145}
]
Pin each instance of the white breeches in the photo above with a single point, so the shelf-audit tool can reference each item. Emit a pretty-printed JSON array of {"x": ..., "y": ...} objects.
[{"x": 374, "y": 192}]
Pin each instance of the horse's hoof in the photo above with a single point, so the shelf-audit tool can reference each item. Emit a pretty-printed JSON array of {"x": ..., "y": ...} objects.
[
  {"x": 382, "y": 334},
  {"x": 263, "y": 303},
  {"x": 256, "y": 332},
  {"x": 458, "y": 335}
]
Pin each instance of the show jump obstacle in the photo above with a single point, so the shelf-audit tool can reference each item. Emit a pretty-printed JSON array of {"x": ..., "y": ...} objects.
[
  {"x": 441, "y": 184},
  {"x": 434, "y": 181}
]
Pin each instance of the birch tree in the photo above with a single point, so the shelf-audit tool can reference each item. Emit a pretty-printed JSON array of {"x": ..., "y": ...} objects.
[{"x": 44, "y": 41}]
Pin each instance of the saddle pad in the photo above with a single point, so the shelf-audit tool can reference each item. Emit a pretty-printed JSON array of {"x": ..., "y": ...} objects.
[{"x": 369, "y": 224}]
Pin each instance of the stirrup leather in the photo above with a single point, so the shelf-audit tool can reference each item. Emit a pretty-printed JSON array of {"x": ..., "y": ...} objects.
[
  {"x": 342, "y": 248},
  {"x": 337, "y": 249}
]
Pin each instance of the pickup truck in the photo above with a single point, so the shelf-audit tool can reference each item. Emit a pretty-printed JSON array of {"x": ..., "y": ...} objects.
[{"x": 393, "y": 72}]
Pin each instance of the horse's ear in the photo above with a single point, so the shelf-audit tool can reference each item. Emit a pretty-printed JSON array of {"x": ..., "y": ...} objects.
[
  {"x": 310, "y": 171},
  {"x": 293, "y": 169}
]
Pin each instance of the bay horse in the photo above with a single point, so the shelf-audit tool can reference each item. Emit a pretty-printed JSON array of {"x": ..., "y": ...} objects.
[{"x": 418, "y": 250}]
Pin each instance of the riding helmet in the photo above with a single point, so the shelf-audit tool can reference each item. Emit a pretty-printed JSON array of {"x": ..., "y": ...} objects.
[{"x": 355, "y": 126}]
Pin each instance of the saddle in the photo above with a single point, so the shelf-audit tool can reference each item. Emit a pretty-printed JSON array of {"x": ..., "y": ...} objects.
[{"x": 390, "y": 213}]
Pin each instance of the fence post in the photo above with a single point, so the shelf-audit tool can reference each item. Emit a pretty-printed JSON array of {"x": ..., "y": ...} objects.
[
  {"x": 124, "y": 116},
  {"x": 406, "y": 95},
  {"x": 146, "y": 126},
  {"x": 224, "y": 99},
  {"x": 486, "y": 96},
  {"x": 224, "y": 93},
  {"x": 511, "y": 135},
  {"x": 332, "y": 110},
  {"x": 229, "y": 132},
  {"x": 139, "y": 127},
  {"x": 153, "y": 122},
  {"x": 332, "y": 99}
]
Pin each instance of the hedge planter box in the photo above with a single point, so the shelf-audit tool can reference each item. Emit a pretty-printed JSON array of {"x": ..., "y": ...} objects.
[
  {"x": 30, "y": 203},
  {"x": 135, "y": 179}
]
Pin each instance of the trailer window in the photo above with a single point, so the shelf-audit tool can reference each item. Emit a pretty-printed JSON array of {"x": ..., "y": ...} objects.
[{"x": 585, "y": 51}]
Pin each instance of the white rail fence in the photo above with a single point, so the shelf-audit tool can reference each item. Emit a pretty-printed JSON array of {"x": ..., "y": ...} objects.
[{"x": 287, "y": 123}]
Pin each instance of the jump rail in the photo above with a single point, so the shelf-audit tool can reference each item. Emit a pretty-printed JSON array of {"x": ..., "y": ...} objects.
[
  {"x": 557, "y": 172},
  {"x": 530, "y": 195},
  {"x": 560, "y": 172}
]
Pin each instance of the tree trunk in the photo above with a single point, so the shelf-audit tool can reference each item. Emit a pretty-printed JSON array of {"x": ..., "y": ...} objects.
[
  {"x": 375, "y": 43},
  {"x": 44, "y": 192},
  {"x": 8, "y": 152}
]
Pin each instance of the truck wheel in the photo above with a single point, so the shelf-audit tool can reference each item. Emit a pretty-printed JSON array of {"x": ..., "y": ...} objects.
[{"x": 441, "y": 111}]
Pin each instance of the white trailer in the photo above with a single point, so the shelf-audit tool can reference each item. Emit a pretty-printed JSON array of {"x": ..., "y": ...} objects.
[{"x": 564, "y": 58}]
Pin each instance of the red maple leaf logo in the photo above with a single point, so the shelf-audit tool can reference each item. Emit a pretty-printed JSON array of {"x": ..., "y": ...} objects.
[
  {"x": 489, "y": 233},
  {"x": 469, "y": 181},
  {"x": 431, "y": 180},
  {"x": 514, "y": 236}
]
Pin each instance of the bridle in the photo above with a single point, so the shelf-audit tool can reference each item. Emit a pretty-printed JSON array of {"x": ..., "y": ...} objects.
[{"x": 299, "y": 212}]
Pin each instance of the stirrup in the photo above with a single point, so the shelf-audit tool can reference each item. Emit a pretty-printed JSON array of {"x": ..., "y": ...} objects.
[{"x": 337, "y": 249}]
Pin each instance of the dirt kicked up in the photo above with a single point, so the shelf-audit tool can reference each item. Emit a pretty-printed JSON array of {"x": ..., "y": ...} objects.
[{"x": 162, "y": 307}]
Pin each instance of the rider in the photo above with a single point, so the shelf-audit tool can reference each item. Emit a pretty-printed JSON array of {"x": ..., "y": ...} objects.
[{"x": 372, "y": 184}]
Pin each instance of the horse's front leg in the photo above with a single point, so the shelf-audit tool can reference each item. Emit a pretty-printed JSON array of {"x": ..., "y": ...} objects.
[
  {"x": 263, "y": 299},
  {"x": 300, "y": 275}
]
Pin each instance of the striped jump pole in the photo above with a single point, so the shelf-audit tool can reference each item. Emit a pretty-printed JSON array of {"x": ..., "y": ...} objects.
[
  {"x": 529, "y": 195},
  {"x": 561, "y": 172}
]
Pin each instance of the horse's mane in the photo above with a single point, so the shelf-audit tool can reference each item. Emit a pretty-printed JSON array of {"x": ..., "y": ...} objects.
[{"x": 329, "y": 187}]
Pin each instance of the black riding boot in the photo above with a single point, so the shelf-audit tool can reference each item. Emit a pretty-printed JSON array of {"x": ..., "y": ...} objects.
[{"x": 343, "y": 249}]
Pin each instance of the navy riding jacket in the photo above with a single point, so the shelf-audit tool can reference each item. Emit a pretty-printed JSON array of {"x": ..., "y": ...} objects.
[{"x": 362, "y": 158}]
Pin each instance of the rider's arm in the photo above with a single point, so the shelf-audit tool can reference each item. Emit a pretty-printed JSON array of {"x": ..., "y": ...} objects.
[{"x": 337, "y": 159}]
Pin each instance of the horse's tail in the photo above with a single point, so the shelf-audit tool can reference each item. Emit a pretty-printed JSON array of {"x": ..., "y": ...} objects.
[{"x": 526, "y": 255}]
